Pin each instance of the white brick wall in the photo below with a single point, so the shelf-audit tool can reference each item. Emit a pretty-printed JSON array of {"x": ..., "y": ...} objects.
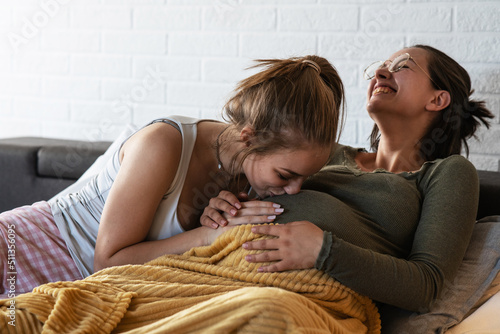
[{"x": 82, "y": 69}]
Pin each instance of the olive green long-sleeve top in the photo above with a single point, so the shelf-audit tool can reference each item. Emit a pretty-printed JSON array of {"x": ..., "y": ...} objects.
[{"x": 397, "y": 238}]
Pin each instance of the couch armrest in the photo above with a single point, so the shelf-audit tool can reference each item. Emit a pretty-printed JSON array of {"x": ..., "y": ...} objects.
[{"x": 34, "y": 169}]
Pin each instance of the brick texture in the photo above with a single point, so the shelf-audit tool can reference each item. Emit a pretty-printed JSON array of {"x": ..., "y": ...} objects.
[{"x": 82, "y": 69}]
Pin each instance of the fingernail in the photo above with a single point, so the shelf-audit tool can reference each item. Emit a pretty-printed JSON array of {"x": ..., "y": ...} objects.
[
  {"x": 248, "y": 258},
  {"x": 224, "y": 222},
  {"x": 271, "y": 217},
  {"x": 237, "y": 205},
  {"x": 276, "y": 205},
  {"x": 233, "y": 212},
  {"x": 244, "y": 245},
  {"x": 214, "y": 225},
  {"x": 260, "y": 269},
  {"x": 279, "y": 210}
]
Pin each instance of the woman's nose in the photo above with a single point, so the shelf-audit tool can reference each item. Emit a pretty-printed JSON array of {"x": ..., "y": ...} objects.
[
  {"x": 382, "y": 73},
  {"x": 293, "y": 187}
]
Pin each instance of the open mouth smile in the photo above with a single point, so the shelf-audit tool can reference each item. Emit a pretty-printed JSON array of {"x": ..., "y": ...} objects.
[{"x": 382, "y": 90}]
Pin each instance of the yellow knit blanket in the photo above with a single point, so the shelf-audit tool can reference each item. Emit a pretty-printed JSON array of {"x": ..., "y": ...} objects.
[{"x": 206, "y": 290}]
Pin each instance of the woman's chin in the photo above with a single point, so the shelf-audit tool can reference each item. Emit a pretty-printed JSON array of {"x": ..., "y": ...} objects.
[{"x": 374, "y": 104}]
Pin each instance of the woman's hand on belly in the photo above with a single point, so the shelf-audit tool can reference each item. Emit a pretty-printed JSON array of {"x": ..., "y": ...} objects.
[
  {"x": 220, "y": 211},
  {"x": 296, "y": 247}
]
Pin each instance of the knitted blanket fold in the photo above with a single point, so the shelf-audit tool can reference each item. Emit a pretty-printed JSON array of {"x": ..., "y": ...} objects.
[{"x": 208, "y": 289}]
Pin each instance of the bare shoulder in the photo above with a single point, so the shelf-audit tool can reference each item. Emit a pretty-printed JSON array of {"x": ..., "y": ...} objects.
[
  {"x": 151, "y": 158},
  {"x": 160, "y": 139}
]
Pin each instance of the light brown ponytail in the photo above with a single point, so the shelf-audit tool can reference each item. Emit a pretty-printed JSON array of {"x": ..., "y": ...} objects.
[{"x": 289, "y": 103}]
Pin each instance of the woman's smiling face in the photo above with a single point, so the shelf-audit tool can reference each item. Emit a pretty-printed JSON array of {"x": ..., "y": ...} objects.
[{"x": 406, "y": 90}]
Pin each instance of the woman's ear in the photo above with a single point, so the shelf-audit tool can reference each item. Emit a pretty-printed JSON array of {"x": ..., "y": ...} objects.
[
  {"x": 441, "y": 100},
  {"x": 246, "y": 135}
]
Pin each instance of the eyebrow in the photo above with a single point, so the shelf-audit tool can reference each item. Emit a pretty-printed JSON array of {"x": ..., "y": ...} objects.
[{"x": 291, "y": 172}]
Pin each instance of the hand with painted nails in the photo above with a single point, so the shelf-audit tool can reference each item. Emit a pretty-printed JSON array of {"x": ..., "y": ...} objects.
[
  {"x": 225, "y": 202},
  {"x": 229, "y": 209},
  {"x": 296, "y": 247},
  {"x": 254, "y": 212}
]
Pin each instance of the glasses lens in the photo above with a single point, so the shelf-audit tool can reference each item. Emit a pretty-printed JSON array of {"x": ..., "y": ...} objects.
[
  {"x": 370, "y": 70},
  {"x": 399, "y": 62}
]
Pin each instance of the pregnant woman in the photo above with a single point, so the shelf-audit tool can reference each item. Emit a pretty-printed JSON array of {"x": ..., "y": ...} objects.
[{"x": 392, "y": 224}]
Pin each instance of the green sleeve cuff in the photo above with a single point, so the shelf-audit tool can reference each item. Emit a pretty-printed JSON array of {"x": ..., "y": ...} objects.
[{"x": 324, "y": 253}]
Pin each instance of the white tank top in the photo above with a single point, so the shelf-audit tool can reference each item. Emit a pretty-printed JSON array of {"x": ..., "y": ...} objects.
[{"x": 77, "y": 215}]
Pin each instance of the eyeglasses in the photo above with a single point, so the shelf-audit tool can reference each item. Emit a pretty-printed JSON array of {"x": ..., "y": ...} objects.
[{"x": 392, "y": 66}]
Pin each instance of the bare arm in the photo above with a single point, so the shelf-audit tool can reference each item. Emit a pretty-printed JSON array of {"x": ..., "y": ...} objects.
[
  {"x": 149, "y": 162},
  {"x": 145, "y": 251}
]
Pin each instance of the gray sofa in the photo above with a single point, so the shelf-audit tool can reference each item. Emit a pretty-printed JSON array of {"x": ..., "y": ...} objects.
[{"x": 34, "y": 169}]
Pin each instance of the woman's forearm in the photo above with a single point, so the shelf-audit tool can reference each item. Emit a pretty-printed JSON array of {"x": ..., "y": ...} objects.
[
  {"x": 411, "y": 285},
  {"x": 148, "y": 250}
]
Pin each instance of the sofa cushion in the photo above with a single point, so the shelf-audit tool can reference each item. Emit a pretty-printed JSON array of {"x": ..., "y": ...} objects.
[
  {"x": 58, "y": 158},
  {"x": 66, "y": 161},
  {"x": 489, "y": 194}
]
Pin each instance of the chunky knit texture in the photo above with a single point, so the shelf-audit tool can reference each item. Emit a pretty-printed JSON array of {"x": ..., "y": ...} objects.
[{"x": 206, "y": 290}]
